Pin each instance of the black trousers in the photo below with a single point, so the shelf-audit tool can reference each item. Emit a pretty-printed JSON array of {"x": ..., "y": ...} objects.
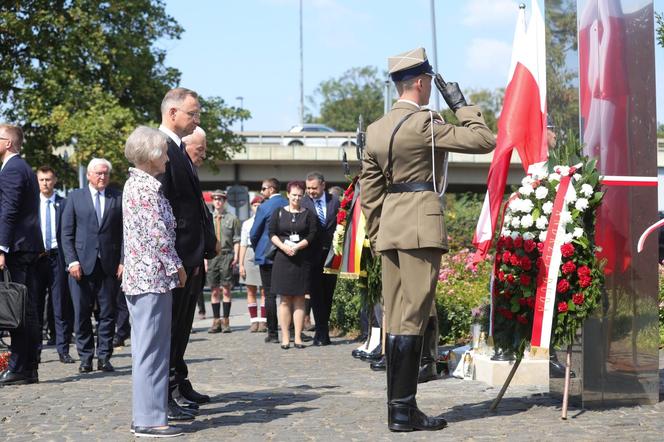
[
  {"x": 184, "y": 307},
  {"x": 270, "y": 300},
  {"x": 25, "y": 339},
  {"x": 103, "y": 289},
  {"x": 122, "y": 325},
  {"x": 322, "y": 291},
  {"x": 51, "y": 280}
]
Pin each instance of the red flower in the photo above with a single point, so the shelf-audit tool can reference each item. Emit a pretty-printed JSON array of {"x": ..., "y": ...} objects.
[
  {"x": 510, "y": 279},
  {"x": 540, "y": 247},
  {"x": 518, "y": 242},
  {"x": 507, "y": 294},
  {"x": 506, "y": 313},
  {"x": 499, "y": 257},
  {"x": 506, "y": 256},
  {"x": 584, "y": 281},
  {"x": 583, "y": 271},
  {"x": 526, "y": 264},
  {"x": 501, "y": 276},
  {"x": 567, "y": 250},
  {"x": 514, "y": 260},
  {"x": 531, "y": 301},
  {"x": 562, "y": 307},
  {"x": 341, "y": 217},
  {"x": 563, "y": 286},
  {"x": 500, "y": 244},
  {"x": 509, "y": 243},
  {"x": 345, "y": 203},
  {"x": 568, "y": 268},
  {"x": 529, "y": 245},
  {"x": 578, "y": 298},
  {"x": 539, "y": 263},
  {"x": 522, "y": 319},
  {"x": 525, "y": 280},
  {"x": 349, "y": 190},
  {"x": 523, "y": 301}
]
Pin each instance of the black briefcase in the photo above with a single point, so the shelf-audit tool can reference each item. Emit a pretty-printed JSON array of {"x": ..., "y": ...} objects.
[{"x": 13, "y": 297}]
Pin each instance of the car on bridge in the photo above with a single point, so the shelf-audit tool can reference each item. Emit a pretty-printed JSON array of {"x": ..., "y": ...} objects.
[{"x": 318, "y": 135}]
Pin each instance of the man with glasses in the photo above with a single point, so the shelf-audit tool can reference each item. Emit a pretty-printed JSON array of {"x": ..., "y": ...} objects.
[
  {"x": 260, "y": 238},
  {"x": 91, "y": 233},
  {"x": 20, "y": 246},
  {"x": 194, "y": 237}
]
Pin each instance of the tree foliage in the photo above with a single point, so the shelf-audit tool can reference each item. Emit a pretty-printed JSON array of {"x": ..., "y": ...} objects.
[
  {"x": 358, "y": 91},
  {"x": 217, "y": 119},
  {"x": 85, "y": 73}
]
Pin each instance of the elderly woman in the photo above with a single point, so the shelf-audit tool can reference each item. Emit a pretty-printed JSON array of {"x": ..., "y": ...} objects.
[
  {"x": 292, "y": 228},
  {"x": 152, "y": 269}
]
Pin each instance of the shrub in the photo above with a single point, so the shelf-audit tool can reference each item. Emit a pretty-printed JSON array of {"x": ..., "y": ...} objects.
[{"x": 346, "y": 305}]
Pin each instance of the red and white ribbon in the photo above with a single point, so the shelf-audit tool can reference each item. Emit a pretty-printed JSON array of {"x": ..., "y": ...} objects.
[{"x": 547, "y": 278}]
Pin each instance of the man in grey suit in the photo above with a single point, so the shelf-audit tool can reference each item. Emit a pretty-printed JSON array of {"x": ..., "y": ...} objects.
[{"x": 92, "y": 245}]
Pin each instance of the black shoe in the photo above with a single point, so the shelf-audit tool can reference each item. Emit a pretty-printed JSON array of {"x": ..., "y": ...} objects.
[
  {"x": 105, "y": 365},
  {"x": 378, "y": 365},
  {"x": 117, "y": 342},
  {"x": 325, "y": 341},
  {"x": 285, "y": 346},
  {"x": 157, "y": 432},
  {"x": 404, "y": 353},
  {"x": 66, "y": 359},
  {"x": 374, "y": 355},
  {"x": 305, "y": 338},
  {"x": 187, "y": 391},
  {"x": 50, "y": 342},
  {"x": 176, "y": 413},
  {"x": 22, "y": 378},
  {"x": 188, "y": 406},
  {"x": 357, "y": 353},
  {"x": 299, "y": 345},
  {"x": 272, "y": 339},
  {"x": 85, "y": 367}
]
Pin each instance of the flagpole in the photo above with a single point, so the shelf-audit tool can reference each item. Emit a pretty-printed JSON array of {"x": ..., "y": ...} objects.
[{"x": 435, "y": 50}]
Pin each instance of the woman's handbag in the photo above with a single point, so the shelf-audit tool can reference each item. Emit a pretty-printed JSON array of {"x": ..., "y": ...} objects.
[{"x": 13, "y": 298}]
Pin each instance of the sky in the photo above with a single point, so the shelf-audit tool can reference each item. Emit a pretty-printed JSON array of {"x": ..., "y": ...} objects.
[{"x": 250, "y": 48}]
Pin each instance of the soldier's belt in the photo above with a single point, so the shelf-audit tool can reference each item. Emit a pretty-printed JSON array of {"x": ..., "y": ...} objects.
[{"x": 410, "y": 187}]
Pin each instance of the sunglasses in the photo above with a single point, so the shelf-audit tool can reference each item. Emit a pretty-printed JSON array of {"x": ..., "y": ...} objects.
[{"x": 265, "y": 188}]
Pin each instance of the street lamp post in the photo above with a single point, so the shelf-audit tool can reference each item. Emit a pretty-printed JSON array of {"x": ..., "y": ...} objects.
[{"x": 241, "y": 98}]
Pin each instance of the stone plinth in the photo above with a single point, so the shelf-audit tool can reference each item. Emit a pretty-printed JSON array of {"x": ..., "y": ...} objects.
[{"x": 530, "y": 371}]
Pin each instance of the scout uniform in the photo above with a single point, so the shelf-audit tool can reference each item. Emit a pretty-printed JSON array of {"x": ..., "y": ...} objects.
[
  {"x": 227, "y": 229},
  {"x": 401, "y": 182}
]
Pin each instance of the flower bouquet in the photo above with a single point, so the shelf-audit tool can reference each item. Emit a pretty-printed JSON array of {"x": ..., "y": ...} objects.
[{"x": 4, "y": 360}]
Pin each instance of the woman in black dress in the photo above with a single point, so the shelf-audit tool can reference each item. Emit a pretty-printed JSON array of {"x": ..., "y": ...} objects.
[{"x": 292, "y": 228}]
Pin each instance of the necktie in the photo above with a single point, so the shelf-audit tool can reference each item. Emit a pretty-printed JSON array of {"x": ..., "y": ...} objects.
[
  {"x": 217, "y": 230},
  {"x": 98, "y": 208},
  {"x": 319, "y": 212},
  {"x": 48, "y": 237}
]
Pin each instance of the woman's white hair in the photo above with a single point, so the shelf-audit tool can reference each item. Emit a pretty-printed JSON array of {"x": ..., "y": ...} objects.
[
  {"x": 145, "y": 144},
  {"x": 99, "y": 161}
]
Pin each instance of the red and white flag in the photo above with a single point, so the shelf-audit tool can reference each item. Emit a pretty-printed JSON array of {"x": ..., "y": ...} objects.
[{"x": 522, "y": 123}]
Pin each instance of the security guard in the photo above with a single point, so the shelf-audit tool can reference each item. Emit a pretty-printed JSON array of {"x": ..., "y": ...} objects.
[{"x": 402, "y": 180}]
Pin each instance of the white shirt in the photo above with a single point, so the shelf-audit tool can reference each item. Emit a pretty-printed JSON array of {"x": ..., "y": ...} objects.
[
  {"x": 102, "y": 199},
  {"x": 170, "y": 134},
  {"x": 42, "y": 220},
  {"x": 245, "y": 241},
  {"x": 403, "y": 100}
]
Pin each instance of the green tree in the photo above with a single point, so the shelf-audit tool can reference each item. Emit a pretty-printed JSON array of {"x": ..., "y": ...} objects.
[
  {"x": 490, "y": 101},
  {"x": 217, "y": 119},
  {"x": 358, "y": 91}
]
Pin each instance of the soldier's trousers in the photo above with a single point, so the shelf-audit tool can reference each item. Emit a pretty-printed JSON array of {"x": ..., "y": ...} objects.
[{"x": 409, "y": 287}]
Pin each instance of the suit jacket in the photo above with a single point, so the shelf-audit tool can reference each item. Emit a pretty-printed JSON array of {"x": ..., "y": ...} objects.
[
  {"x": 323, "y": 240},
  {"x": 259, "y": 236},
  {"x": 83, "y": 239},
  {"x": 20, "y": 230},
  {"x": 194, "y": 231},
  {"x": 413, "y": 220}
]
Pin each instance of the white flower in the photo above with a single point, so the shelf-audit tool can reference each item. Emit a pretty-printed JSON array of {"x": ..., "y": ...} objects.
[
  {"x": 541, "y": 192},
  {"x": 526, "y": 206},
  {"x": 516, "y": 222},
  {"x": 541, "y": 222},
  {"x": 515, "y": 235},
  {"x": 527, "y": 181},
  {"x": 562, "y": 170},
  {"x": 526, "y": 221},
  {"x": 508, "y": 219},
  {"x": 565, "y": 218},
  {"x": 547, "y": 207},
  {"x": 567, "y": 238},
  {"x": 576, "y": 177},
  {"x": 581, "y": 204},
  {"x": 526, "y": 190},
  {"x": 528, "y": 235},
  {"x": 505, "y": 232},
  {"x": 542, "y": 236},
  {"x": 540, "y": 173},
  {"x": 571, "y": 195},
  {"x": 554, "y": 177},
  {"x": 587, "y": 190},
  {"x": 578, "y": 232}
]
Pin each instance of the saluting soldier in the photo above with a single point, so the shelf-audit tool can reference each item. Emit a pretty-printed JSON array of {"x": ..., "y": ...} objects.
[{"x": 402, "y": 181}]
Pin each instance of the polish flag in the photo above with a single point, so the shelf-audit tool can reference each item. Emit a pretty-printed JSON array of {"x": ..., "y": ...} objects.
[{"x": 522, "y": 123}]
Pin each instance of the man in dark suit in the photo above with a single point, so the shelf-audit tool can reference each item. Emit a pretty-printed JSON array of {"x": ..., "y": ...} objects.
[
  {"x": 259, "y": 236},
  {"x": 325, "y": 206},
  {"x": 51, "y": 274},
  {"x": 92, "y": 245},
  {"x": 20, "y": 246},
  {"x": 194, "y": 238}
]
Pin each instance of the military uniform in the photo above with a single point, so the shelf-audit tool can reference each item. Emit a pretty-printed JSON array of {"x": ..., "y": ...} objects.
[{"x": 401, "y": 181}]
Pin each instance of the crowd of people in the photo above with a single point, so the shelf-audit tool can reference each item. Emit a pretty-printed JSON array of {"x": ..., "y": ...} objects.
[{"x": 142, "y": 256}]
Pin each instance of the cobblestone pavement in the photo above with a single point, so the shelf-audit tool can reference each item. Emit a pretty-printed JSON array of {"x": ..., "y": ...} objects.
[{"x": 261, "y": 392}]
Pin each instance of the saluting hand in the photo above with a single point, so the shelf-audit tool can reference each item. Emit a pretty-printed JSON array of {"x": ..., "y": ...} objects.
[{"x": 451, "y": 93}]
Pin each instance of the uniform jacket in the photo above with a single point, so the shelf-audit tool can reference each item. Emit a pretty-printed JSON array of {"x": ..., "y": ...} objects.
[
  {"x": 413, "y": 220},
  {"x": 259, "y": 231},
  {"x": 323, "y": 239},
  {"x": 84, "y": 239},
  {"x": 229, "y": 231},
  {"x": 194, "y": 233},
  {"x": 20, "y": 229}
]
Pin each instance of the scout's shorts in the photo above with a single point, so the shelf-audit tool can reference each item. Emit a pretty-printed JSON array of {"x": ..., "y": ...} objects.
[{"x": 220, "y": 272}]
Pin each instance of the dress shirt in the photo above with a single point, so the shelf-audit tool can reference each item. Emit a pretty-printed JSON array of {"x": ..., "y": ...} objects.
[
  {"x": 403, "y": 100},
  {"x": 171, "y": 135},
  {"x": 245, "y": 240},
  {"x": 102, "y": 199},
  {"x": 42, "y": 220}
]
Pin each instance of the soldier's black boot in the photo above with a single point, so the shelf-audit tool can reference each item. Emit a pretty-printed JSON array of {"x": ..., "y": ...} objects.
[
  {"x": 429, "y": 352},
  {"x": 403, "y": 354}
]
